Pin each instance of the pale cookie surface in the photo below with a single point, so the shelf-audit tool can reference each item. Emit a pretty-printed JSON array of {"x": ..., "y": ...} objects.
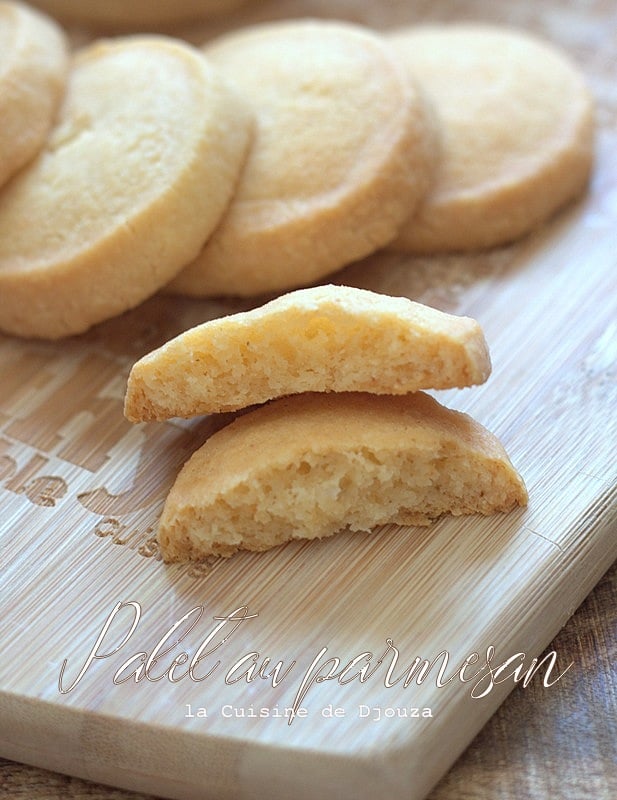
[
  {"x": 33, "y": 67},
  {"x": 516, "y": 120},
  {"x": 343, "y": 151},
  {"x": 305, "y": 467},
  {"x": 134, "y": 177},
  {"x": 136, "y": 12},
  {"x": 324, "y": 339}
]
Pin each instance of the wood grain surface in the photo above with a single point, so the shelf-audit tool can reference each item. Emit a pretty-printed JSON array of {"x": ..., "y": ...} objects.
[
  {"x": 540, "y": 744},
  {"x": 81, "y": 491}
]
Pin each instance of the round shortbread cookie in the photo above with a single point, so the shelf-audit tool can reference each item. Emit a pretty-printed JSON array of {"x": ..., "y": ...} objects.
[
  {"x": 517, "y": 127},
  {"x": 136, "y": 12},
  {"x": 344, "y": 148},
  {"x": 134, "y": 177},
  {"x": 33, "y": 67},
  {"x": 323, "y": 339},
  {"x": 305, "y": 467}
]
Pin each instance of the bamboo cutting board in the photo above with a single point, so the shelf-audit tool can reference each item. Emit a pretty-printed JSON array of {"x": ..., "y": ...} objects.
[{"x": 81, "y": 491}]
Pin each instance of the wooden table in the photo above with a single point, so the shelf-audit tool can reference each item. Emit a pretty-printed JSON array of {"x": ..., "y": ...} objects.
[{"x": 542, "y": 743}]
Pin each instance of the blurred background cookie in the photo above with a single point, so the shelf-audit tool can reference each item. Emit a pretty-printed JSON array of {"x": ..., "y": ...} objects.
[
  {"x": 344, "y": 150},
  {"x": 33, "y": 66},
  {"x": 516, "y": 121},
  {"x": 135, "y": 175}
]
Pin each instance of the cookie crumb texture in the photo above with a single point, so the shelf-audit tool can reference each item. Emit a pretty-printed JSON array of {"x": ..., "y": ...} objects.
[
  {"x": 323, "y": 339},
  {"x": 308, "y": 466},
  {"x": 134, "y": 176}
]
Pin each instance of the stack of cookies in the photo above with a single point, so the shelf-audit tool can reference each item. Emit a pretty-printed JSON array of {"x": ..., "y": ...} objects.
[
  {"x": 268, "y": 161},
  {"x": 345, "y": 436}
]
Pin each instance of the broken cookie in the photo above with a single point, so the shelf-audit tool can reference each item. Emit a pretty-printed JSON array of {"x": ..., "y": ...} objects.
[
  {"x": 308, "y": 466},
  {"x": 323, "y": 339}
]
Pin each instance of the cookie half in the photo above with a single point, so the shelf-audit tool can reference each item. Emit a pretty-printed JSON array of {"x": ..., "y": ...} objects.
[
  {"x": 134, "y": 177},
  {"x": 324, "y": 339},
  {"x": 344, "y": 150},
  {"x": 33, "y": 67},
  {"x": 305, "y": 467},
  {"x": 517, "y": 134}
]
